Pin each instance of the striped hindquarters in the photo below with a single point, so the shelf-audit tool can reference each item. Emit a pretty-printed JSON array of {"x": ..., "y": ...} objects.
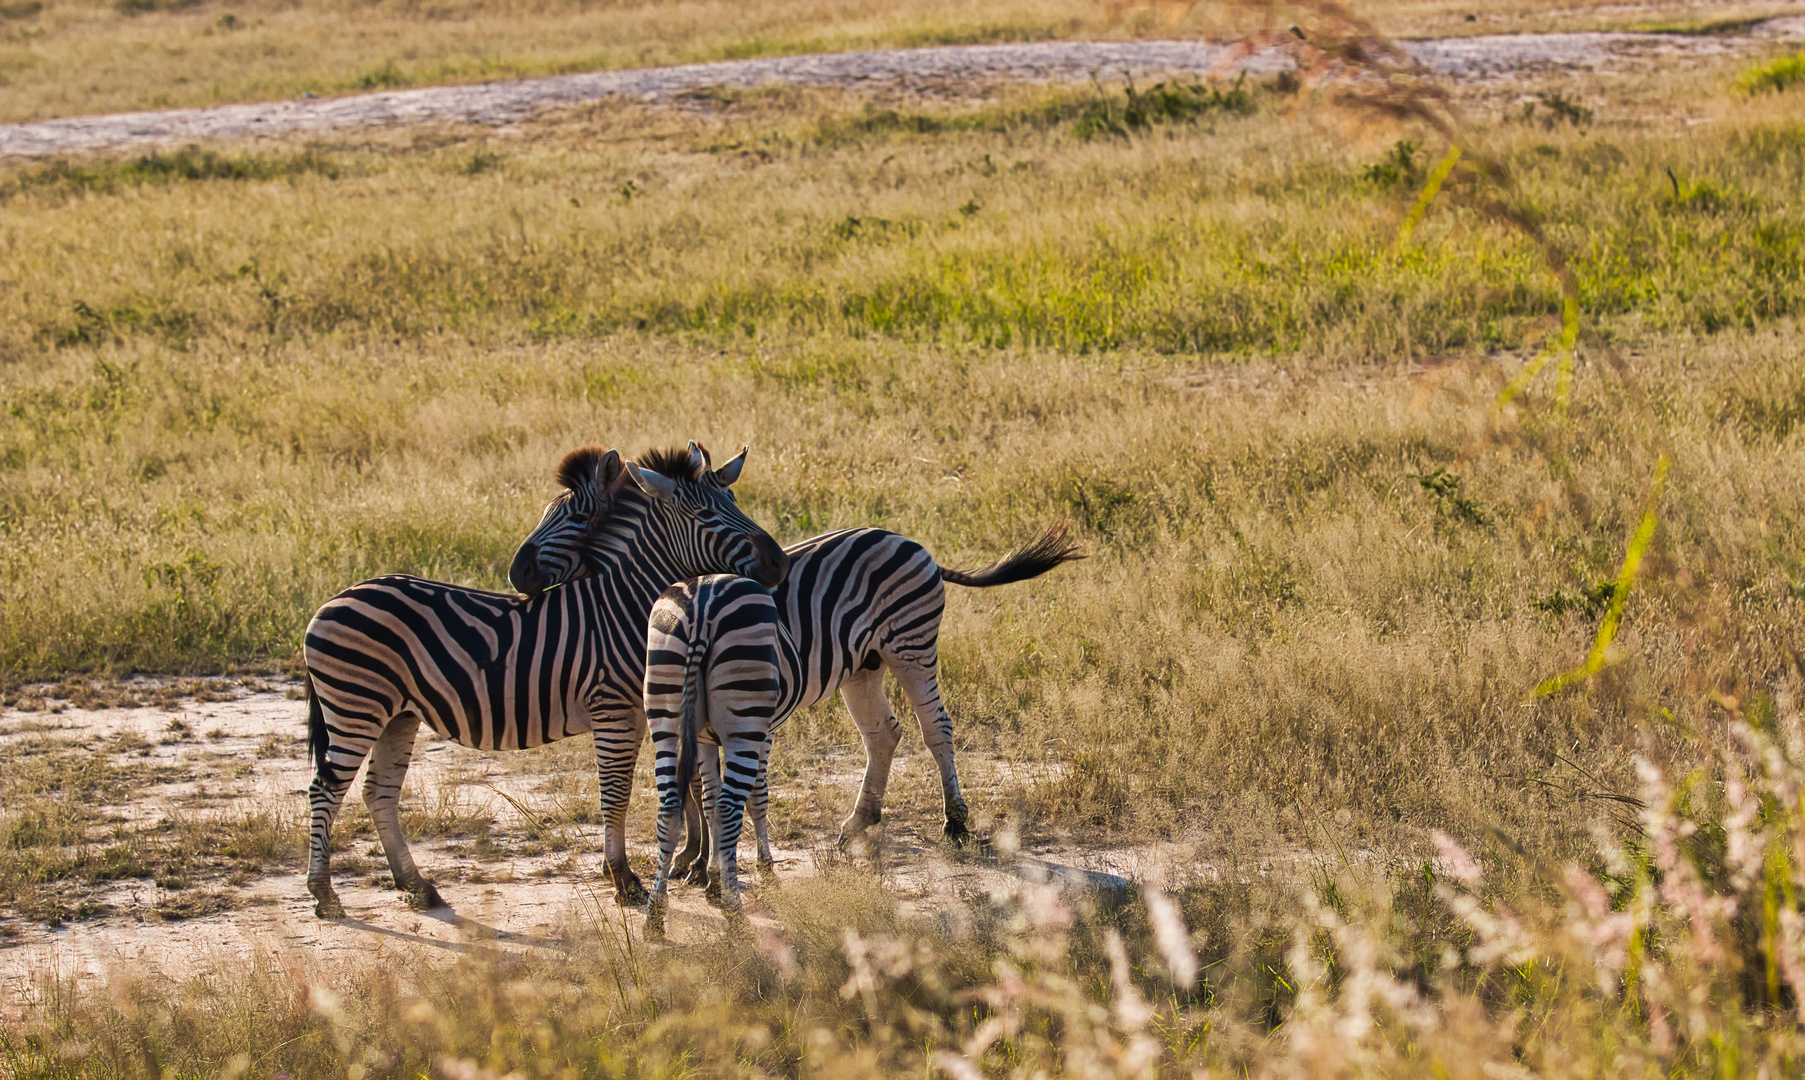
[
  {"x": 856, "y": 597},
  {"x": 729, "y": 631}
]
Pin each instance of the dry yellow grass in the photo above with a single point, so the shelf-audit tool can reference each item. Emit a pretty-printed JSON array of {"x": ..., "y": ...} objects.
[{"x": 227, "y": 398}]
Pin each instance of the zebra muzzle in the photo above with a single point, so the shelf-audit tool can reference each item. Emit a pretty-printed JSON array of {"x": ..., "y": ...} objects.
[{"x": 524, "y": 574}]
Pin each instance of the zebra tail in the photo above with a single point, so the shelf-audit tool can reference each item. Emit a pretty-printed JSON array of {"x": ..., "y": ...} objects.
[
  {"x": 691, "y": 722},
  {"x": 319, "y": 740},
  {"x": 1051, "y": 548}
]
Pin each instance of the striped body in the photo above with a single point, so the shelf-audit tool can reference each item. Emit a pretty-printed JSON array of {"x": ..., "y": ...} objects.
[
  {"x": 492, "y": 671},
  {"x": 721, "y": 673},
  {"x": 499, "y": 672}
]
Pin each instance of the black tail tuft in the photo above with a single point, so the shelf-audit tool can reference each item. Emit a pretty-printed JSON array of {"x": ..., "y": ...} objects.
[
  {"x": 1051, "y": 548},
  {"x": 319, "y": 740}
]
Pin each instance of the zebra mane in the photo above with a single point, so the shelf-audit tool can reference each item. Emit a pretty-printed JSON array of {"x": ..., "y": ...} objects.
[
  {"x": 581, "y": 467},
  {"x": 673, "y": 463}
]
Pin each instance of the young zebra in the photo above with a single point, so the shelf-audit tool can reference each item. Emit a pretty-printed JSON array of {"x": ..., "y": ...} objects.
[
  {"x": 498, "y": 672},
  {"x": 721, "y": 670},
  {"x": 858, "y": 602}
]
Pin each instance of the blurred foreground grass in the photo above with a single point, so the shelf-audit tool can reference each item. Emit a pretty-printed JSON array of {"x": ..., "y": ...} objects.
[{"x": 1678, "y": 954}]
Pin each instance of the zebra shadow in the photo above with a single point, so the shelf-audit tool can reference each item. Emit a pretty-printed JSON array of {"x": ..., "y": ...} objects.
[
  {"x": 1109, "y": 891},
  {"x": 482, "y": 940}
]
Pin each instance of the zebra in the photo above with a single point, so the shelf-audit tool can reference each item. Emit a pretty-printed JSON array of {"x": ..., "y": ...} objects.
[
  {"x": 858, "y": 602},
  {"x": 720, "y": 666},
  {"x": 495, "y": 671}
]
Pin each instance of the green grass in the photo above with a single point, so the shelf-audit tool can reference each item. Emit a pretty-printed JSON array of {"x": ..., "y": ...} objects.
[
  {"x": 1774, "y": 75},
  {"x": 1177, "y": 254}
]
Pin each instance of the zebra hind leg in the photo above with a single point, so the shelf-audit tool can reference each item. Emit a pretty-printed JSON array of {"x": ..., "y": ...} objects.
[
  {"x": 708, "y": 793},
  {"x": 726, "y": 807},
  {"x": 921, "y": 686},
  {"x": 672, "y": 804},
  {"x": 336, "y": 758},
  {"x": 382, "y": 794},
  {"x": 863, "y": 693},
  {"x": 756, "y": 806},
  {"x": 691, "y": 866}
]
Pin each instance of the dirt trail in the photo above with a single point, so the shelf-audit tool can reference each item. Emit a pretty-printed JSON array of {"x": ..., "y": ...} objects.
[
  {"x": 516, "y": 881},
  {"x": 949, "y": 71}
]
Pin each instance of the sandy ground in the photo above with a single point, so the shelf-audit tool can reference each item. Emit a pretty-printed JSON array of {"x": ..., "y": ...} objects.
[
  {"x": 248, "y": 753},
  {"x": 950, "y": 70}
]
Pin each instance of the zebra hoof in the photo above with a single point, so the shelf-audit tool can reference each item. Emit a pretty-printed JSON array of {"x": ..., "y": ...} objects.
[
  {"x": 326, "y": 904},
  {"x": 629, "y": 891},
  {"x": 766, "y": 864},
  {"x": 713, "y": 894},
  {"x": 698, "y": 874},
  {"x": 956, "y": 831},
  {"x": 655, "y": 921},
  {"x": 682, "y": 865},
  {"x": 855, "y": 825},
  {"x": 426, "y": 898}
]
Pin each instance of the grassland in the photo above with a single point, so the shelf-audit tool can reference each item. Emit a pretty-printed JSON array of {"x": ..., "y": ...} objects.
[{"x": 1326, "y": 570}]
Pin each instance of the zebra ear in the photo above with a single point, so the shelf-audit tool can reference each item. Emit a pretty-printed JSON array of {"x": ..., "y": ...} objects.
[
  {"x": 611, "y": 477},
  {"x": 698, "y": 459},
  {"x": 662, "y": 488},
  {"x": 729, "y": 473},
  {"x": 608, "y": 471}
]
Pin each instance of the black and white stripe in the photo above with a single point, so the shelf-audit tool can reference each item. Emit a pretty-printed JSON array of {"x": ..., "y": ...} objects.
[
  {"x": 721, "y": 672},
  {"x": 499, "y": 672},
  {"x": 860, "y": 602}
]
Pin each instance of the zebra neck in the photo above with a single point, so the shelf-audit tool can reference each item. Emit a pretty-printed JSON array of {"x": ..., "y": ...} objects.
[{"x": 633, "y": 557}]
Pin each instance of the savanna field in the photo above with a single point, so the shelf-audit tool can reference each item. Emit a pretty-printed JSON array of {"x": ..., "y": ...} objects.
[{"x": 1445, "y": 680}]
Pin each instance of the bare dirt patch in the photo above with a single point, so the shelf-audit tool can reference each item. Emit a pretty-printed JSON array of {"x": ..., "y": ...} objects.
[
  {"x": 947, "y": 71},
  {"x": 193, "y": 848}
]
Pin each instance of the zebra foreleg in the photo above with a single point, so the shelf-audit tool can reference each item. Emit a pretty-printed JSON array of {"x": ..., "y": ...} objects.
[
  {"x": 863, "y": 692},
  {"x": 922, "y": 688},
  {"x": 617, "y": 738},
  {"x": 382, "y": 794}
]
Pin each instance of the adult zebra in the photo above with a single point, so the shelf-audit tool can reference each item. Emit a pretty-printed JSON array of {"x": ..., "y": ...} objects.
[
  {"x": 857, "y": 602},
  {"x": 498, "y": 672},
  {"x": 720, "y": 668}
]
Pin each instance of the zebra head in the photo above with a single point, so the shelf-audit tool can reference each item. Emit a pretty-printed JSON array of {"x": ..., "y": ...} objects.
[{"x": 688, "y": 511}]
